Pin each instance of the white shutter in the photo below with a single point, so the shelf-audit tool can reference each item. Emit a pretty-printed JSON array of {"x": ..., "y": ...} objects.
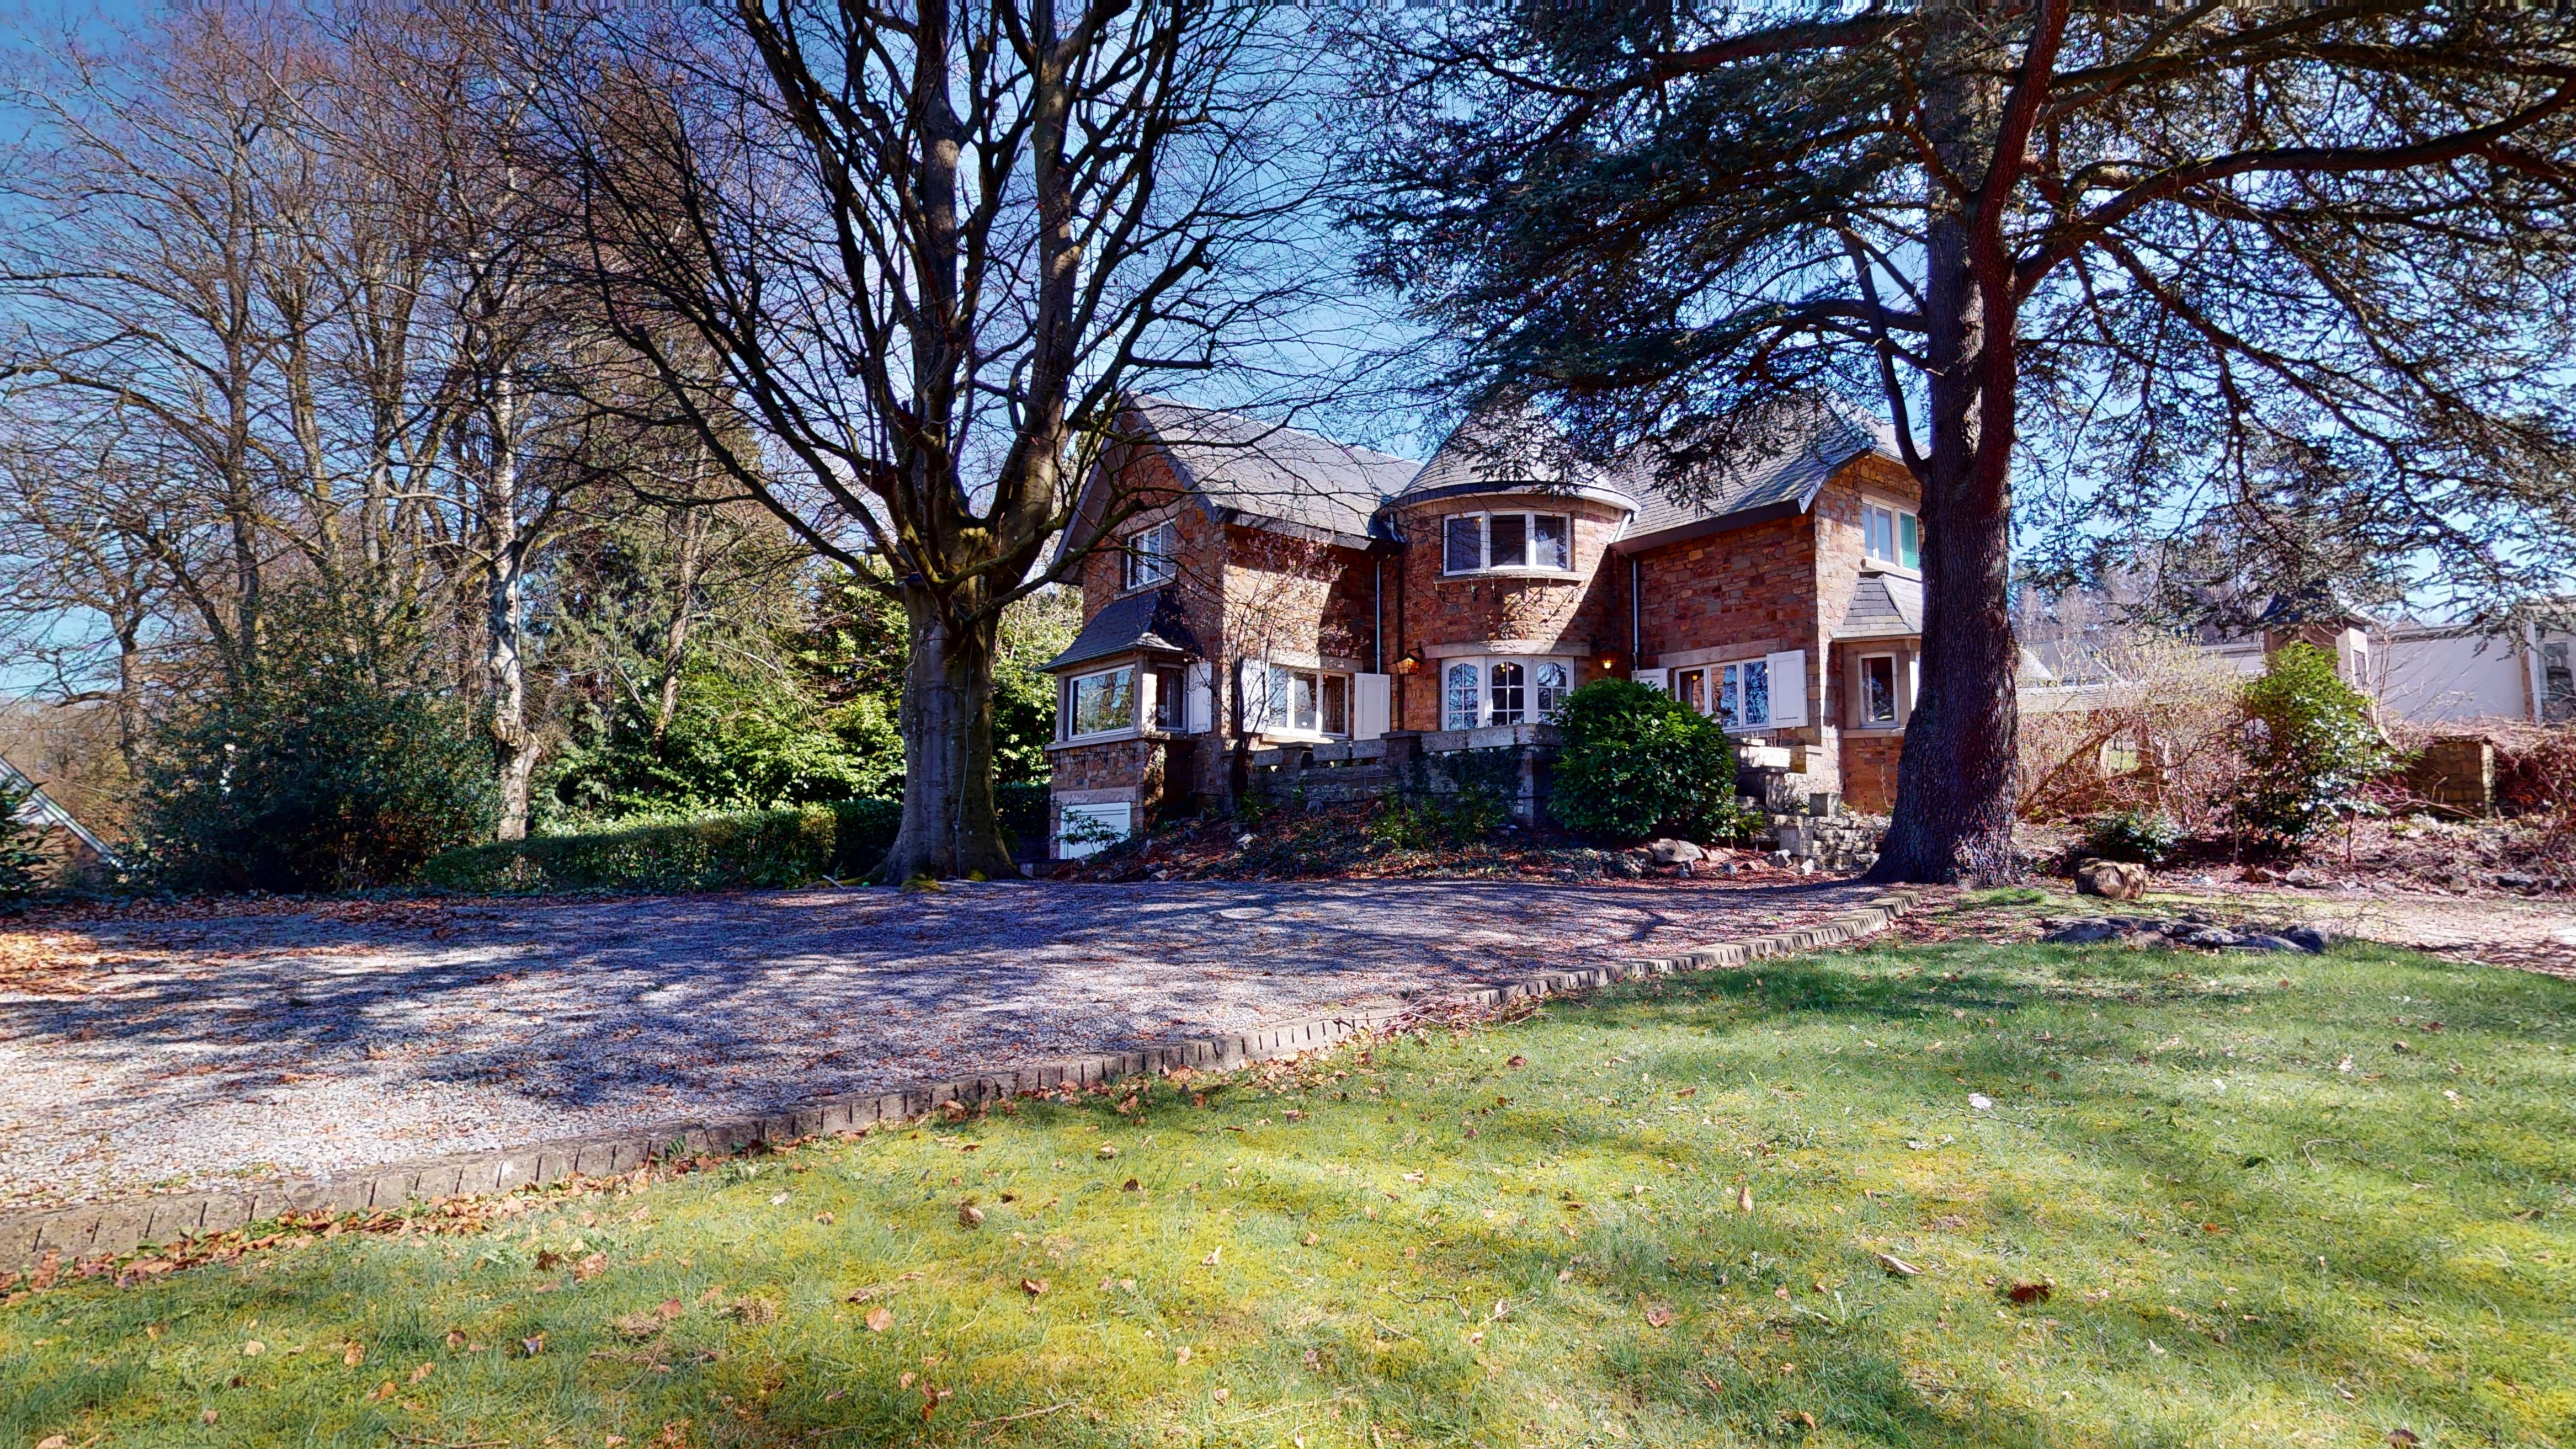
[
  {"x": 1198, "y": 691},
  {"x": 1788, "y": 687},
  {"x": 1372, "y": 705},
  {"x": 1660, "y": 680}
]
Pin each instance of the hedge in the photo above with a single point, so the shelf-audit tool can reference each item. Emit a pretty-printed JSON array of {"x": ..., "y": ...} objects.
[{"x": 723, "y": 852}]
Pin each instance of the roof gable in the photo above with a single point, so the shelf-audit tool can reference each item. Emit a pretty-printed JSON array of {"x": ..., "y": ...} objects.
[{"x": 1263, "y": 474}]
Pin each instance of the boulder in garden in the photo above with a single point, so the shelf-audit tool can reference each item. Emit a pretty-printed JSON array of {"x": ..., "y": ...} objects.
[{"x": 2114, "y": 880}]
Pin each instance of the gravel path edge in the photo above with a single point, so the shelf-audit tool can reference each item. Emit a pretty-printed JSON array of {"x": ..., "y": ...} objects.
[{"x": 112, "y": 1229}]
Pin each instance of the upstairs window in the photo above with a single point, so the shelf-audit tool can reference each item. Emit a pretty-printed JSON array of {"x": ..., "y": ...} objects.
[
  {"x": 1475, "y": 542},
  {"x": 1891, "y": 536},
  {"x": 1153, "y": 556}
]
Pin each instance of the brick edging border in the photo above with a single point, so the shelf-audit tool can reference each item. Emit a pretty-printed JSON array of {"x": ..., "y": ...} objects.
[{"x": 114, "y": 1228}]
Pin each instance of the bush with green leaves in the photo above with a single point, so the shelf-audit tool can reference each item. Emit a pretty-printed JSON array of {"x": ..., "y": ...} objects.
[
  {"x": 319, "y": 776},
  {"x": 1637, "y": 762},
  {"x": 2147, "y": 836},
  {"x": 22, "y": 857},
  {"x": 2311, "y": 750},
  {"x": 749, "y": 849}
]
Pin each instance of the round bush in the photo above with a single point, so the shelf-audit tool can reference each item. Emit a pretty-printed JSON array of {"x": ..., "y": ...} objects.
[
  {"x": 2310, "y": 750},
  {"x": 2146, "y": 836},
  {"x": 1637, "y": 761},
  {"x": 316, "y": 778}
]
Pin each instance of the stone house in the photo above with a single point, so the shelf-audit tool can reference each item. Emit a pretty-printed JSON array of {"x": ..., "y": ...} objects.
[{"x": 1269, "y": 587}]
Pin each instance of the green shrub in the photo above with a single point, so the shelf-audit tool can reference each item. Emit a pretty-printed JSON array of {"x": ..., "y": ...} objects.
[
  {"x": 2310, "y": 749},
  {"x": 318, "y": 776},
  {"x": 1637, "y": 761},
  {"x": 1023, "y": 809},
  {"x": 759, "y": 848},
  {"x": 2149, "y": 836},
  {"x": 22, "y": 860}
]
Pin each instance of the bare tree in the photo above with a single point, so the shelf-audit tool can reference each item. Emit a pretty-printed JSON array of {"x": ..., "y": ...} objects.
[{"x": 897, "y": 265}]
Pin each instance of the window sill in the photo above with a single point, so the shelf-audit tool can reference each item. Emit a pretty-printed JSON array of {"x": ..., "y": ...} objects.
[
  {"x": 1144, "y": 588},
  {"x": 1563, "y": 575},
  {"x": 1883, "y": 566},
  {"x": 1105, "y": 737}
]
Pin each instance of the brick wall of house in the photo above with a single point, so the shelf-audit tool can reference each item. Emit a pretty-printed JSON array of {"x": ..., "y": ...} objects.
[
  {"x": 1580, "y": 615},
  {"x": 1869, "y": 769}
]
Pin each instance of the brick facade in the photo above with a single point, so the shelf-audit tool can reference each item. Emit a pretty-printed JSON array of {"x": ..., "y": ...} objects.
[{"x": 1720, "y": 587}]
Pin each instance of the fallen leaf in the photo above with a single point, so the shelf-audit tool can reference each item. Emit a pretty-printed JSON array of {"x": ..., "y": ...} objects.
[
  {"x": 590, "y": 1267},
  {"x": 1210, "y": 1260},
  {"x": 669, "y": 1308},
  {"x": 2397, "y": 1438},
  {"x": 1181, "y": 1354},
  {"x": 2030, "y": 1292},
  {"x": 824, "y": 1218},
  {"x": 1311, "y": 1239},
  {"x": 207, "y": 1417},
  {"x": 54, "y": 1441},
  {"x": 776, "y": 1198},
  {"x": 1980, "y": 1102},
  {"x": 1131, "y": 1185},
  {"x": 1898, "y": 1266},
  {"x": 381, "y": 1392},
  {"x": 1517, "y": 1062},
  {"x": 254, "y": 1349},
  {"x": 533, "y": 1346},
  {"x": 422, "y": 1372},
  {"x": 1659, "y": 1316},
  {"x": 1108, "y": 1151},
  {"x": 880, "y": 1319},
  {"x": 353, "y": 1355},
  {"x": 455, "y": 1340},
  {"x": 1744, "y": 1198},
  {"x": 1033, "y": 1286},
  {"x": 1221, "y": 1395},
  {"x": 969, "y": 1215}
]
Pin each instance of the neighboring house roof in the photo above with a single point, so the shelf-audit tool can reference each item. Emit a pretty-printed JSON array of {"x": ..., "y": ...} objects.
[
  {"x": 1781, "y": 466},
  {"x": 1267, "y": 475},
  {"x": 2322, "y": 602},
  {"x": 1136, "y": 621},
  {"x": 39, "y": 809},
  {"x": 1883, "y": 606}
]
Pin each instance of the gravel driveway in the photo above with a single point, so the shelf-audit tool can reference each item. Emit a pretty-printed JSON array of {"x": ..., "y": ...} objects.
[{"x": 179, "y": 1049}]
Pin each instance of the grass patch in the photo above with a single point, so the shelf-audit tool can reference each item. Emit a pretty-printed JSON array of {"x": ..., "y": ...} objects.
[{"x": 2257, "y": 1221}]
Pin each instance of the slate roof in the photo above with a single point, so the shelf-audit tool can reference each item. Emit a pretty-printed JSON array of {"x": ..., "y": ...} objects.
[
  {"x": 1786, "y": 464},
  {"x": 1500, "y": 447},
  {"x": 39, "y": 809},
  {"x": 1137, "y": 621},
  {"x": 1882, "y": 606},
  {"x": 1265, "y": 472}
]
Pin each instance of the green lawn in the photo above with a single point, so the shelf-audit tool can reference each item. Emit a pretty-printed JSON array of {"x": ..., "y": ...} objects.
[{"x": 2257, "y": 1219}]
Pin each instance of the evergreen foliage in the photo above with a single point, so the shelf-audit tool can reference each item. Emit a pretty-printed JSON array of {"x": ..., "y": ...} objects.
[
  {"x": 22, "y": 861},
  {"x": 749, "y": 849},
  {"x": 2310, "y": 749},
  {"x": 1636, "y": 761},
  {"x": 322, "y": 777}
]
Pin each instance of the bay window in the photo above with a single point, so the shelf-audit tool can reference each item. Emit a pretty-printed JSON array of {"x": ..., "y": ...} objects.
[
  {"x": 1100, "y": 703},
  {"x": 1555, "y": 682},
  {"x": 1476, "y": 542},
  {"x": 1461, "y": 712},
  {"x": 1878, "y": 689},
  {"x": 1476, "y": 693},
  {"x": 1510, "y": 689}
]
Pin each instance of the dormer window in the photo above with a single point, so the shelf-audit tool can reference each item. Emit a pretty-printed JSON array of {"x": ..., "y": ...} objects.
[
  {"x": 1890, "y": 536},
  {"x": 1472, "y": 543},
  {"x": 1153, "y": 555}
]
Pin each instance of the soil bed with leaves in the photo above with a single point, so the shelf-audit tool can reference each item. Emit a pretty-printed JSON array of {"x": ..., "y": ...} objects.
[{"x": 1948, "y": 1195}]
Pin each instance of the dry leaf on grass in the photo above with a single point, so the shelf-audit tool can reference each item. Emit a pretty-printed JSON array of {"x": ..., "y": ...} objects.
[
  {"x": 638, "y": 1325},
  {"x": 1033, "y": 1286},
  {"x": 969, "y": 1215},
  {"x": 2030, "y": 1292},
  {"x": 353, "y": 1355},
  {"x": 590, "y": 1267},
  {"x": 1744, "y": 1198},
  {"x": 254, "y": 1349},
  {"x": 422, "y": 1372},
  {"x": 880, "y": 1319},
  {"x": 1898, "y": 1266},
  {"x": 1659, "y": 1315}
]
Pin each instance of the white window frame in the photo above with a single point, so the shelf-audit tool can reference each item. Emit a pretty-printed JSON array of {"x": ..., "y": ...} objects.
[
  {"x": 1532, "y": 710},
  {"x": 1529, "y": 537},
  {"x": 1899, "y": 523},
  {"x": 1277, "y": 701},
  {"x": 1895, "y": 699},
  {"x": 1069, "y": 704},
  {"x": 1151, "y": 556}
]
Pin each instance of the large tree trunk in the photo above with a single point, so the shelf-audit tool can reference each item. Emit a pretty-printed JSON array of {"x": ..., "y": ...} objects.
[
  {"x": 950, "y": 827},
  {"x": 514, "y": 745},
  {"x": 1955, "y": 781}
]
